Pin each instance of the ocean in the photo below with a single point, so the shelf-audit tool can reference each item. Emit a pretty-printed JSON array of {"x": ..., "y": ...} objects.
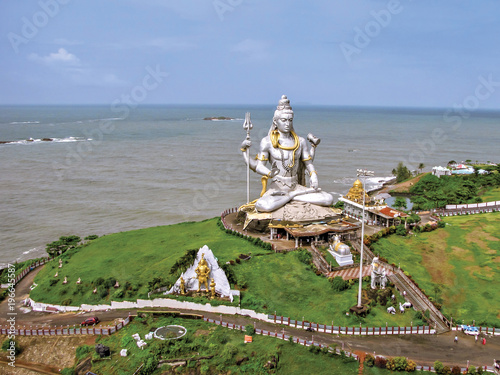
[{"x": 93, "y": 170}]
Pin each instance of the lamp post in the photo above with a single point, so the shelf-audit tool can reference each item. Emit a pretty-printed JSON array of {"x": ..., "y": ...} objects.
[{"x": 362, "y": 173}]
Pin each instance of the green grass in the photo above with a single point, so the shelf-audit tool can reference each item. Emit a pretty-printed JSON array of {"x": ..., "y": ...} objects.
[
  {"x": 19, "y": 267},
  {"x": 204, "y": 339},
  {"x": 283, "y": 284},
  {"x": 137, "y": 257},
  {"x": 458, "y": 265},
  {"x": 274, "y": 282},
  {"x": 491, "y": 195}
]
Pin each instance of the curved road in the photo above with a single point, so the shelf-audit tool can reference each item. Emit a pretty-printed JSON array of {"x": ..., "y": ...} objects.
[{"x": 423, "y": 349}]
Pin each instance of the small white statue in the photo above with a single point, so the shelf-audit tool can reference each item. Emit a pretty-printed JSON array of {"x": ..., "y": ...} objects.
[
  {"x": 79, "y": 281},
  {"x": 60, "y": 263},
  {"x": 378, "y": 275},
  {"x": 65, "y": 280},
  {"x": 57, "y": 274},
  {"x": 95, "y": 290}
]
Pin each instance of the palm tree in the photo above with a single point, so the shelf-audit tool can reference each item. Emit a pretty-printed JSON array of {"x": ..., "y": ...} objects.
[{"x": 421, "y": 166}]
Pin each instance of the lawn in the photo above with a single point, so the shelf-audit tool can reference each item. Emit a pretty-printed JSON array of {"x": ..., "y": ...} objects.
[
  {"x": 270, "y": 281},
  {"x": 133, "y": 259},
  {"x": 226, "y": 346},
  {"x": 281, "y": 283},
  {"x": 491, "y": 195},
  {"x": 459, "y": 265}
]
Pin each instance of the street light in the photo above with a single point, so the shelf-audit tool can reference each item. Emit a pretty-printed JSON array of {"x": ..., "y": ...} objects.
[{"x": 362, "y": 173}]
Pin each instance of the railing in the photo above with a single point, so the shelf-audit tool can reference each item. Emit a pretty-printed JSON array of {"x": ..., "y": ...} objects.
[
  {"x": 360, "y": 331},
  {"x": 281, "y": 336},
  {"x": 68, "y": 330}
]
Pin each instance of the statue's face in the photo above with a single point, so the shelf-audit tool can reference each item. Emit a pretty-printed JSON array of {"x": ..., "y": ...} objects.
[{"x": 285, "y": 122}]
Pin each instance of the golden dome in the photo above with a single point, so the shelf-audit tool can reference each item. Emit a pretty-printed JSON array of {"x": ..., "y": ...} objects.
[{"x": 356, "y": 192}]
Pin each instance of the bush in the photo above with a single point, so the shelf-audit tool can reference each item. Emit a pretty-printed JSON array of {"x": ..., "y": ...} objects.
[
  {"x": 249, "y": 330},
  {"x": 369, "y": 360},
  {"x": 411, "y": 366},
  {"x": 472, "y": 370},
  {"x": 339, "y": 284},
  {"x": 380, "y": 362},
  {"x": 401, "y": 230},
  {"x": 397, "y": 364},
  {"x": 438, "y": 367},
  {"x": 11, "y": 344},
  {"x": 67, "y": 371},
  {"x": 456, "y": 370}
]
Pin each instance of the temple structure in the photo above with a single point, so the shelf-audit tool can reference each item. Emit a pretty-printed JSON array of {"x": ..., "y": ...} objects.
[{"x": 376, "y": 210}]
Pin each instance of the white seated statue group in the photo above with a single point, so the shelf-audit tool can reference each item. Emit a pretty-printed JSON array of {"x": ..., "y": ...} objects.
[
  {"x": 283, "y": 160},
  {"x": 378, "y": 276}
]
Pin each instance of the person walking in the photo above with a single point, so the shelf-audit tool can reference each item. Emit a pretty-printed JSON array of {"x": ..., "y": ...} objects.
[
  {"x": 475, "y": 338},
  {"x": 456, "y": 339}
]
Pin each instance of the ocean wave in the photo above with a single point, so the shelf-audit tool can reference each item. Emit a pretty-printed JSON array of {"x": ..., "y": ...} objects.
[
  {"x": 30, "y": 141},
  {"x": 24, "y": 122}
]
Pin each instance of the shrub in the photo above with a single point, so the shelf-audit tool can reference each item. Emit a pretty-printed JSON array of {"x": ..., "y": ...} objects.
[
  {"x": 380, "y": 362},
  {"x": 339, "y": 284},
  {"x": 11, "y": 344},
  {"x": 67, "y": 371},
  {"x": 369, "y": 360},
  {"x": 249, "y": 330},
  {"x": 446, "y": 370},
  {"x": 471, "y": 370},
  {"x": 401, "y": 230},
  {"x": 411, "y": 366},
  {"x": 438, "y": 367},
  {"x": 456, "y": 370}
]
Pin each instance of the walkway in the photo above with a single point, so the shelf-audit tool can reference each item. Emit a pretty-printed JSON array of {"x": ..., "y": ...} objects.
[{"x": 353, "y": 272}]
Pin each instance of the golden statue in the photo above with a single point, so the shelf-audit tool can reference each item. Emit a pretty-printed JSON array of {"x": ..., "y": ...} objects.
[
  {"x": 212, "y": 288},
  {"x": 203, "y": 271},
  {"x": 183, "y": 286}
]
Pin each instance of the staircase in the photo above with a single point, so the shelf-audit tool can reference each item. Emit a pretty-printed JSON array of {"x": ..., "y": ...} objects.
[{"x": 414, "y": 295}]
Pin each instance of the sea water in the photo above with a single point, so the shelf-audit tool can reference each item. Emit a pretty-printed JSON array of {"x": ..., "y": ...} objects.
[{"x": 87, "y": 170}]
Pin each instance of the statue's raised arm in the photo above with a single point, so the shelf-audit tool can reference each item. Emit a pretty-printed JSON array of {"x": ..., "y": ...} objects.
[{"x": 282, "y": 160}]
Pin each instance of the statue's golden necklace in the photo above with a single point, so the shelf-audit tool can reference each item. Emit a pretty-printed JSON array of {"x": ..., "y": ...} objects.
[{"x": 275, "y": 142}]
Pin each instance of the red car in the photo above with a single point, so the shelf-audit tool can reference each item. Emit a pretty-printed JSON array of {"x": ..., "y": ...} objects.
[{"x": 90, "y": 321}]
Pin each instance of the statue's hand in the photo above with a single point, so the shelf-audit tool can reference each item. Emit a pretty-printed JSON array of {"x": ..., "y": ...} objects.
[
  {"x": 246, "y": 144},
  {"x": 274, "y": 170}
]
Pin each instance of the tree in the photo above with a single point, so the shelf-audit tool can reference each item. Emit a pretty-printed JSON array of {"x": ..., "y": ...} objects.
[
  {"x": 402, "y": 172},
  {"x": 62, "y": 245},
  {"x": 421, "y": 166},
  {"x": 399, "y": 203}
]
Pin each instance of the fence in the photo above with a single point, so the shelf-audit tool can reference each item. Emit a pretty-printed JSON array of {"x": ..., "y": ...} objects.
[
  {"x": 44, "y": 331},
  {"x": 281, "y": 336},
  {"x": 487, "y": 330},
  {"x": 27, "y": 270},
  {"x": 360, "y": 331}
]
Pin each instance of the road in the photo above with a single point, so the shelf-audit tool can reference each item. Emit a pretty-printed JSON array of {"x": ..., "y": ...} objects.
[{"x": 423, "y": 349}]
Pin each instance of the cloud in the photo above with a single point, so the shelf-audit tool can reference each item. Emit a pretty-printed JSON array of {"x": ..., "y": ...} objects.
[
  {"x": 253, "y": 49},
  {"x": 61, "y": 57}
]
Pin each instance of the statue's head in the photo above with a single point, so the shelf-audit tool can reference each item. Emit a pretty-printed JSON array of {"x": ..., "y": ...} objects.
[{"x": 283, "y": 115}]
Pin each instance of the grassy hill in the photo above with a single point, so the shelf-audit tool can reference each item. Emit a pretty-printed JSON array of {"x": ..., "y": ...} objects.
[
  {"x": 270, "y": 282},
  {"x": 459, "y": 265}
]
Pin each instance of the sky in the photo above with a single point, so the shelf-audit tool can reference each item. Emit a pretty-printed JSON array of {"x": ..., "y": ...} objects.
[{"x": 396, "y": 53}]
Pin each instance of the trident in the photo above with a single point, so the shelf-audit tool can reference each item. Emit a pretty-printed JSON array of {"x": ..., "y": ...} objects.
[{"x": 247, "y": 125}]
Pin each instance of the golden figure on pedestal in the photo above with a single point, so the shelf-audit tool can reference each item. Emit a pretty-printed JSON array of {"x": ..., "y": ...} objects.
[
  {"x": 183, "y": 286},
  {"x": 212, "y": 289},
  {"x": 203, "y": 271}
]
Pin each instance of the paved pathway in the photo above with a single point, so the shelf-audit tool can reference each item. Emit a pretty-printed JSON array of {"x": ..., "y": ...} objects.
[{"x": 353, "y": 272}]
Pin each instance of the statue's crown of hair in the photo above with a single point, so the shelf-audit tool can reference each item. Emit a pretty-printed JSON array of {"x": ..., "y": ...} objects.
[{"x": 284, "y": 104}]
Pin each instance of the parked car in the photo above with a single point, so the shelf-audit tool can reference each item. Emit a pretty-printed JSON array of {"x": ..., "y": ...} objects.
[{"x": 90, "y": 321}]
